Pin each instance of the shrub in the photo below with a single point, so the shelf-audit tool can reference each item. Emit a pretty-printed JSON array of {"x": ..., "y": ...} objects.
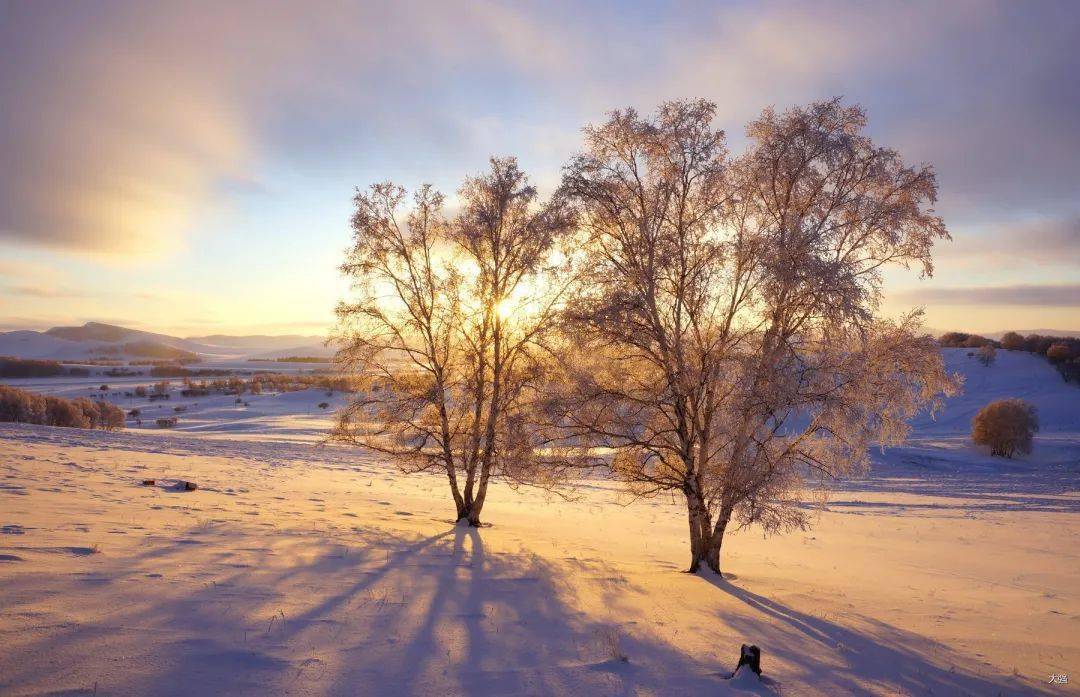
[
  {"x": 90, "y": 411},
  {"x": 21, "y": 406},
  {"x": 324, "y": 405},
  {"x": 1007, "y": 426},
  {"x": 1070, "y": 370},
  {"x": 963, "y": 340},
  {"x": 987, "y": 355},
  {"x": 110, "y": 417},
  {"x": 1038, "y": 344},
  {"x": 1058, "y": 352},
  {"x": 66, "y": 413},
  {"x": 26, "y": 407},
  {"x": 1011, "y": 341},
  {"x": 166, "y": 422},
  {"x": 170, "y": 371},
  {"x": 121, "y": 373},
  {"x": 140, "y": 391}
]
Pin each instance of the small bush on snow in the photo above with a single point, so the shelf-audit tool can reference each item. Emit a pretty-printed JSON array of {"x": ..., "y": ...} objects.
[
  {"x": 1007, "y": 426},
  {"x": 987, "y": 355}
]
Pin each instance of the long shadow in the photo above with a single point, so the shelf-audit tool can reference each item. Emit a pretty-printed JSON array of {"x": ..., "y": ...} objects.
[
  {"x": 996, "y": 504},
  {"x": 890, "y": 658},
  {"x": 962, "y": 483},
  {"x": 496, "y": 623},
  {"x": 304, "y": 612}
]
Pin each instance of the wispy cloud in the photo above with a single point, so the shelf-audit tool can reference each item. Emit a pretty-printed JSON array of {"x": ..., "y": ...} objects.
[
  {"x": 126, "y": 128},
  {"x": 1064, "y": 295},
  {"x": 1042, "y": 241},
  {"x": 127, "y": 121},
  {"x": 41, "y": 292}
]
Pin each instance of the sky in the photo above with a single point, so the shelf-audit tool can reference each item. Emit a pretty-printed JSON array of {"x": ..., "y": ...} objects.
[{"x": 188, "y": 167}]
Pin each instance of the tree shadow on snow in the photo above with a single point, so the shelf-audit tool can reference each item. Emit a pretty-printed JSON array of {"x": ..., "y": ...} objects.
[
  {"x": 838, "y": 659},
  {"x": 360, "y": 612}
]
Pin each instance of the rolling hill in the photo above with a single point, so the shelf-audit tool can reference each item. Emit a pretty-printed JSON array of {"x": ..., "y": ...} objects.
[{"x": 98, "y": 340}]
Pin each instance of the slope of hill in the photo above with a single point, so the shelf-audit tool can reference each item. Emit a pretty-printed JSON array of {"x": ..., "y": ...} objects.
[
  {"x": 30, "y": 344},
  {"x": 99, "y": 340},
  {"x": 91, "y": 331},
  {"x": 258, "y": 342},
  {"x": 318, "y": 349},
  {"x": 1013, "y": 374}
]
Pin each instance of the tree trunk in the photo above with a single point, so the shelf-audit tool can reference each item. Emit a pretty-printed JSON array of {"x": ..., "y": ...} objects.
[
  {"x": 481, "y": 496},
  {"x": 716, "y": 541},
  {"x": 696, "y": 551},
  {"x": 698, "y": 515},
  {"x": 470, "y": 511}
]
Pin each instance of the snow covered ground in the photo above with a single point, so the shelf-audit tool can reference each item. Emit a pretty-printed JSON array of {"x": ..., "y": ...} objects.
[{"x": 303, "y": 568}]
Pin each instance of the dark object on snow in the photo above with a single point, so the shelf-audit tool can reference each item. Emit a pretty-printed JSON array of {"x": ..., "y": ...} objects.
[
  {"x": 750, "y": 656},
  {"x": 148, "y": 482},
  {"x": 186, "y": 486}
]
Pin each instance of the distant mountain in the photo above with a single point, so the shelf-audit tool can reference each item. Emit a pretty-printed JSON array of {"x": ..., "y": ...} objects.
[
  {"x": 258, "y": 341},
  {"x": 91, "y": 331},
  {"x": 99, "y": 340},
  {"x": 319, "y": 349}
]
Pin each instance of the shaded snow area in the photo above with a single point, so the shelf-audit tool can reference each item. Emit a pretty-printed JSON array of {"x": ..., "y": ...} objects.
[{"x": 309, "y": 569}]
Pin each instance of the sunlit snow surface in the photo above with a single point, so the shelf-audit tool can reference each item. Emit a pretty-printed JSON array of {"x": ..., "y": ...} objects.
[{"x": 312, "y": 569}]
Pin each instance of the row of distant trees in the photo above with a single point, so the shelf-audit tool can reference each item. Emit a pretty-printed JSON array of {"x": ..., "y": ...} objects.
[
  {"x": 1061, "y": 351},
  {"x": 22, "y": 406},
  {"x": 692, "y": 321},
  {"x": 12, "y": 367}
]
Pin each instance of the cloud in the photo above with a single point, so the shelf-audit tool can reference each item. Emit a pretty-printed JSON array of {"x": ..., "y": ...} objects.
[
  {"x": 114, "y": 135},
  {"x": 1038, "y": 241},
  {"x": 1063, "y": 295},
  {"x": 42, "y": 292},
  {"x": 124, "y": 123},
  {"x": 983, "y": 90}
]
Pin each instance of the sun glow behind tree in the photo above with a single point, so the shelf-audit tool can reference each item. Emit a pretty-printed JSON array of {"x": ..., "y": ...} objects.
[{"x": 452, "y": 319}]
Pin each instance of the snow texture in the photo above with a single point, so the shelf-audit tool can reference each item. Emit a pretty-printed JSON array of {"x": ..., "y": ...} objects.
[{"x": 304, "y": 568}]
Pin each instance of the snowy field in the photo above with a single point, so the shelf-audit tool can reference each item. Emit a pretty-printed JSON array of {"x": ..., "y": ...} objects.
[
  {"x": 310, "y": 569},
  {"x": 288, "y": 416}
]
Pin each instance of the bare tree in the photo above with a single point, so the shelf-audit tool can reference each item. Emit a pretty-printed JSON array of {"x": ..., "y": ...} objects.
[
  {"x": 727, "y": 344},
  {"x": 987, "y": 355},
  {"x": 451, "y": 325}
]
